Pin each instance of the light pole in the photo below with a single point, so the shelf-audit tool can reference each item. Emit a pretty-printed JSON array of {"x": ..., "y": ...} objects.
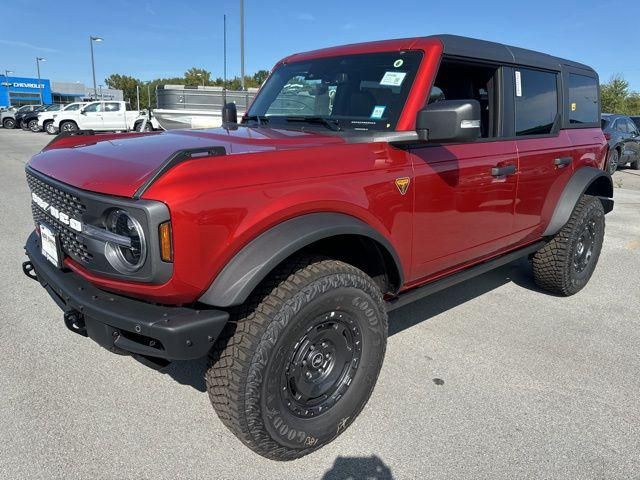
[
  {"x": 93, "y": 65},
  {"x": 148, "y": 82},
  {"x": 101, "y": 97},
  {"x": 38, "y": 60},
  {"x": 202, "y": 77}
]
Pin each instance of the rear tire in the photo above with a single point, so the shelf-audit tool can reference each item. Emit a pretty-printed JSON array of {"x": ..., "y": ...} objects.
[
  {"x": 33, "y": 126},
  {"x": 565, "y": 264},
  {"x": 636, "y": 165},
  {"x": 612, "y": 161},
  {"x": 299, "y": 361},
  {"x": 68, "y": 126},
  {"x": 9, "y": 123},
  {"x": 24, "y": 126}
]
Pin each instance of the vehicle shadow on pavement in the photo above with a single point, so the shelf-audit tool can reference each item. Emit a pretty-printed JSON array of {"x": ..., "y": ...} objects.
[
  {"x": 191, "y": 373},
  {"x": 358, "y": 468},
  {"x": 518, "y": 272}
]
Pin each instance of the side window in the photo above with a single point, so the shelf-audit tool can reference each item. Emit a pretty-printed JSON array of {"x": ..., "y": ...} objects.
[
  {"x": 621, "y": 125},
  {"x": 631, "y": 127},
  {"x": 583, "y": 99},
  {"x": 536, "y": 102},
  {"x": 94, "y": 107},
  {"x": 463, "y": 81},
  {"x": 111, "y": 107}
]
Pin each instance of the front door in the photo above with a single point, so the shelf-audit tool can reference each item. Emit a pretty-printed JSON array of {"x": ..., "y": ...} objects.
[
  {"x": 91, "y": 117},
  {"x": 464, "y": 193}
]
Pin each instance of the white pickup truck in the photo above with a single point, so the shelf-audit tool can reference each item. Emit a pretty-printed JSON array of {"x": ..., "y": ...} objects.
[
  {"x": 45, "y": 119},
  {"x": 98, "y": 116}
]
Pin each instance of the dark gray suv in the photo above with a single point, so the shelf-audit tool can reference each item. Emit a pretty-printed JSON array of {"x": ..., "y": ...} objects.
[{"x": 624, "y": 142}]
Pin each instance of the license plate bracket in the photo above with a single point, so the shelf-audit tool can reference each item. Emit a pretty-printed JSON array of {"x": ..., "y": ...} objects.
[{"x": 50, "y": 245}]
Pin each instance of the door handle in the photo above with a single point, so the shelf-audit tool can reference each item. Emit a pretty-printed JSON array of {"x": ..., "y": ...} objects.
[
  {"x": 503, "y": 171},
  {"x": 563, "y": 162}
]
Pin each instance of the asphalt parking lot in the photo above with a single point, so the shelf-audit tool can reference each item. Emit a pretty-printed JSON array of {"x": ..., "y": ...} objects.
[{"x": 489, "y": 379}]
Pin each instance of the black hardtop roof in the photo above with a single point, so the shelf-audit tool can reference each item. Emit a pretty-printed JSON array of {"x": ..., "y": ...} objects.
[{"x": 481, "y": 49}]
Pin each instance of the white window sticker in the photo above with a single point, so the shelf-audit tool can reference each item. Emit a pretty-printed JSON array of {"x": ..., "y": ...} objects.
[
  {"x": 393, "y": 79},
  {"x": 398, "y": 63},
  {"x": 378, "y": 112},
  {"x": 518, "y": 84}
]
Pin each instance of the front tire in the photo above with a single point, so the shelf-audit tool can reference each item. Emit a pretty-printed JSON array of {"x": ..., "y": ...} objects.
[
  {"x": 298, "y": 363},
  {"x": 636, "y": 165},
  {"x": 565, "y": 264},
  {"x": 9, "y": 123},
  {"x": 68, "y": 126},
  {"x": 50, "y": 128},
  {"x": 33, "y": 126}
]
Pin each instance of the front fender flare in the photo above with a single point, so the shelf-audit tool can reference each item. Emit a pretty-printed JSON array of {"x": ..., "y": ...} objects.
[
  {"x": 584, "y": 180},
  {"x": 258, "y": 258}
]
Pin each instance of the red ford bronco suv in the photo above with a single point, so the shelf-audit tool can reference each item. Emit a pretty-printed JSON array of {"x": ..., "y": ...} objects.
[{"x": 362, "y": 178}]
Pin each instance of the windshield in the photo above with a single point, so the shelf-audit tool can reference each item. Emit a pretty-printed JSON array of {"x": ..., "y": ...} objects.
[
  {"x": 352, "y": 92},
  {"x": 71, "y": 107},
  {"x": 54, "y": 107},
  {"x": 24, "y": 109}
]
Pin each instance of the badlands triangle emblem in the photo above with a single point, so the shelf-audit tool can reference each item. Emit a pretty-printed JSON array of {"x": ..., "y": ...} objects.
[{"x": 403, "y": 184}]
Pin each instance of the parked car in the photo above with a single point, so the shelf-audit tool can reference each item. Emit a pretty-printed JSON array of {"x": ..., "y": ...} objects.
[
  {"x": 623, "y": 137},
  {"x": 21, "y": 114},
  {"x": 8, "y": 118},
  {"x": 30, "y": 120},
  {"x": 636, "y": 120},
  {"x": 45, "y": 119},
  {"x": 277, "y": 246},
  {"x": 100, "y": 117}
]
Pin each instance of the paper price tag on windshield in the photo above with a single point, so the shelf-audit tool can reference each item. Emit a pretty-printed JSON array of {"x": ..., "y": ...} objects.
[{"x": 393, "y": 79}]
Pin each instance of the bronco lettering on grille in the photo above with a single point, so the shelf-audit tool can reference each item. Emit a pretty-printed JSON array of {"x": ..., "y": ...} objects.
[{"x": 57, "y": 214}]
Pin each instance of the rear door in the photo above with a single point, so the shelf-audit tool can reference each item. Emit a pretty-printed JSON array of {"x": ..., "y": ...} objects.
[
  {"x": 463, "y": 207},
  {"x": 545, "y": 150},
  {"x": 632, "y": 145},
  {"x": 113, "y": 116}
]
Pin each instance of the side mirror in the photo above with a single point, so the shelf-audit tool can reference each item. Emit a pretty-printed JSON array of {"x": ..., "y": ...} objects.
[
  {"x": 83, "y": 111},
  {"x": 449, "y": 121},
  {"x": 229, "y": 114}
]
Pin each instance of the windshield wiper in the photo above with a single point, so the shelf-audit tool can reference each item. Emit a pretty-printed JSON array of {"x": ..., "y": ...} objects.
[
  {"x": 331, "y": 124},
  {"x": 256, "y": 118}
]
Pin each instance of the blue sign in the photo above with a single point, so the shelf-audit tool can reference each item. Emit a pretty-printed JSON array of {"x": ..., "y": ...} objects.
[{"x": 23, "y": 91}]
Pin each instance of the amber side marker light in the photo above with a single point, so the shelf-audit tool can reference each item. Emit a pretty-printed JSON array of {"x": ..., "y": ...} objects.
[{"x": 166, "y": 245}]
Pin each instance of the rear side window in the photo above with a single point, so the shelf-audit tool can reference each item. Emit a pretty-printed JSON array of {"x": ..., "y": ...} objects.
[
  {"x": 536, "y": 102},
  {"x": 583, "y": 99}
]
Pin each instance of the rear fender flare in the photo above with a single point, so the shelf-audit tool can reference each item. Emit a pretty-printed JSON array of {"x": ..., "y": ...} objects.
[
  {"x": 589, "y": 180},
  {"x": 258, "y": 258}
]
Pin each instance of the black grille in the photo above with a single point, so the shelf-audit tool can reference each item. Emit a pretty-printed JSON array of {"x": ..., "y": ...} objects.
[{"x": 72, "y": 243}]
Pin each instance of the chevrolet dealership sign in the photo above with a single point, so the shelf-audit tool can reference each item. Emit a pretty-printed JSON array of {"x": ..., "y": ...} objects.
[{"x": 22, "y": 85}]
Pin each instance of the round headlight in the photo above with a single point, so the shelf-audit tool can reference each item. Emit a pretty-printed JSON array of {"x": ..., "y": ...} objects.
[{"x": 125, "y": 259}]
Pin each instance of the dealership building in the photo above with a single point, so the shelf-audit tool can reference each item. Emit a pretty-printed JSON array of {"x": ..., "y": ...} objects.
[{"x": 18, "y": 91}]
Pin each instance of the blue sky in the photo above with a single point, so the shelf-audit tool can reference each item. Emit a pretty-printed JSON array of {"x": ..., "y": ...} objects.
[{"x": 150, "y": 39}]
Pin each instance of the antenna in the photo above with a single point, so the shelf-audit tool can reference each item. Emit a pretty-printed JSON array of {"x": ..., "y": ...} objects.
[
  {"x": 224, "y": 84},
  {"x": 242, "y": 43}
]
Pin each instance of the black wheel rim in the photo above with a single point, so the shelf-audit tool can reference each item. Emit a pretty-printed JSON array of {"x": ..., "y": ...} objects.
[
  {"x": 322, "y": 364},
  {"x": 584, "y": 247}
]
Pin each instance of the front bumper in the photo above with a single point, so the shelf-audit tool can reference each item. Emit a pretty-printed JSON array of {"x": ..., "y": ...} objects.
[{"x": 122, "y": 324}]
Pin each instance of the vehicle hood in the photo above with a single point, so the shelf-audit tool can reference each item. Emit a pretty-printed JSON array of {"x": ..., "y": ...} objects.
[{"x": 119, "y": 164}]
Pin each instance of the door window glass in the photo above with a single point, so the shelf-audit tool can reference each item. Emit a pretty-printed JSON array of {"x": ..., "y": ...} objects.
[
  {"x": 94, "y": 107},
  {"x": 536, "y": 102},
  {"x": 583, "y": 99},
  {"x": 462, "y": 81},
  {"x": 111, "y": 107}
]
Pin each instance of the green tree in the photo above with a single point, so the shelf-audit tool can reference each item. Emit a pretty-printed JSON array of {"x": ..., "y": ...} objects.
[
  {"x": 613, "y": 95},
  {"x": 125, "y": 83},
  {"x": 196, "y": 76}
]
